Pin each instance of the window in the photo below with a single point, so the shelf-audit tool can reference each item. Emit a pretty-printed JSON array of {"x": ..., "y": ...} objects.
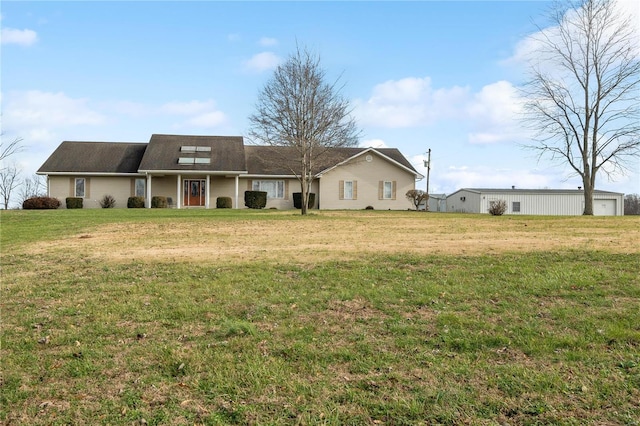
[
  {"x": 194, "y": 160},
  {"x": 387, "y": 190},
  {"x": 140, "y": 187},
  {"x": 273, "y": 188},
  {"x": 80, "y": 187},
  {"x": 515, "y": 207},
  {"x": 191, "y": 148},
  {"x": 348, "y": 190}
]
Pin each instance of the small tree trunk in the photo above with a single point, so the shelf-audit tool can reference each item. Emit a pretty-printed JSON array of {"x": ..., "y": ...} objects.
[{"x": 305, "y": 195}]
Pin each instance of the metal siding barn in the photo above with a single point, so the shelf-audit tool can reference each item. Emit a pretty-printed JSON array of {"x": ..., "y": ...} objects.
[{"x": 552, "y": 202}]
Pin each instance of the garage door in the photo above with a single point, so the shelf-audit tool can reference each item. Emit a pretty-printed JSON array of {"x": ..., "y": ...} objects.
[{"x": 604, "y": 207}]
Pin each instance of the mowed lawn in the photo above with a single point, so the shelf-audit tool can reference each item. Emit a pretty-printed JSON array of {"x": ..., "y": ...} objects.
[{"x": 159, "y": 316}]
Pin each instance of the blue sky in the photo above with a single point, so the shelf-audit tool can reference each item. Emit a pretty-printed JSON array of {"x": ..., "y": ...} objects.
[{"x": 420, "y": 75}]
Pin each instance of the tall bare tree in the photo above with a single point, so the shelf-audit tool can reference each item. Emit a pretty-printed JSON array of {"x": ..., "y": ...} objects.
[
  {"x": 33, "y": 186},
  {"x": 582, "y": 98},
  {"x": 298, "y": 109},
  {"x": 9, "y": 181}
]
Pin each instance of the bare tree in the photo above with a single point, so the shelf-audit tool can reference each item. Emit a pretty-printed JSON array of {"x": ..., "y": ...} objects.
[
  {"x": 9, "y": 181},
  {"x": 417, "y": 197},
  {"x": 298, "y": 109},
  {"x": 33, "y": 186},
  {"x": 7, "y": 149},
  {"x": 582, "y": 98},
  {"x": 631, "y": 204}
]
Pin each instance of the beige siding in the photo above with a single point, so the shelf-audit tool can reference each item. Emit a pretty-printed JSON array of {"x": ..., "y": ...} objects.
[
  {"x": 96, "y": 187},
  {"x": 286, "y": 203},
  {"x": 370, "y": 177}
]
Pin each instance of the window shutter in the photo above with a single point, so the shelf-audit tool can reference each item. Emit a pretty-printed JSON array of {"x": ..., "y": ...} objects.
[
  {"x": 133, "y": 187},
  {"x": 249, "y": 185},
  {"x": 341, "y": 190},
  {"x": 87, "y": 188},
  {"x": 380, "y": 190},
  {"x": 393, "y": 190},
  {"x": 355, "y": 189},
  {"x": 286, "y": 189},
  {"x": 72, "y": 187}
]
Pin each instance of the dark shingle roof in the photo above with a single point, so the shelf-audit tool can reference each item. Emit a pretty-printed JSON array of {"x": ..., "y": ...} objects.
[
  {"x": 278, "y": 160},
  {"x": 94, "y": 157},
  {"x": 227, "y": 153}
]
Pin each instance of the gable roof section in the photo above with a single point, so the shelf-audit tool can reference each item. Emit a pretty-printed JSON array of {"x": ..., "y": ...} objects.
[
  {"x": 392, "y": 155},
  {"x": 164, "y": 151},
  {"x": 94, "y": 158},
  {"x": 263, "y": 160}
]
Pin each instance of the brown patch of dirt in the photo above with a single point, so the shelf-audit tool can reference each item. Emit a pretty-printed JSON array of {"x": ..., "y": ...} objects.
[{"x": 343, "y": 236}]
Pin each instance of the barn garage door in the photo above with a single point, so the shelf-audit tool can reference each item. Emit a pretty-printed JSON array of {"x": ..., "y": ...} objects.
[{"x": 604, "y": 207}]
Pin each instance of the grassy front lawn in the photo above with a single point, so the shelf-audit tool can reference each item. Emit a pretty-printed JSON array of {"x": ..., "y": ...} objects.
[{"x": 243, "y": 317}]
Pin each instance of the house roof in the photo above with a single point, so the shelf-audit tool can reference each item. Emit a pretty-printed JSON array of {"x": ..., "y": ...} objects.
[
  {"x": 279, "y": 160},
  {"x": 163, "y": 153},
  {"x": 96, "y": 157},
  {"x": 211, "y": 154},
  {"x": 528, "y": 191}
]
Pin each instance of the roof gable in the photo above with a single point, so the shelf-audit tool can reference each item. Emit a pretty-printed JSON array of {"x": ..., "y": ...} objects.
[
  {"x": 226, "y": 154},
  {"x": 94, "y": 157}
]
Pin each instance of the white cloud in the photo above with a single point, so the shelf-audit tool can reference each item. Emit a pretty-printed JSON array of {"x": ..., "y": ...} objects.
[
  {"x": 494, "y": 113},
  {"x": 373, "y": 143},
  {"x": 37, "y": 110},
  {"x": 20, "y": 37},
  {"x": 490, "y": 115},
  {"x": 263, "y": 61},
  {"x": 187, "y": 108},
  {"x": 409, "y": 102},
  {"x": 268, "y": 41},
  {"x": 209, "y": 119},
  {"x": 486, "y": 177}
]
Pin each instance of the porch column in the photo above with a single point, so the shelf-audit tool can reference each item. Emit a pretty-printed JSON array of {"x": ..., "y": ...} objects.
[
  {"x": 235, "y": 204},
  {"x": 179, "y": 192},
  {"x": 207, "y": 193},
  {"x": 148, "y": 198}
]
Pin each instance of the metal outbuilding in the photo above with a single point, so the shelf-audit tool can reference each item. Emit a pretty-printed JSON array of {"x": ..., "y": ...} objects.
[{"x": 553, "y": 202}]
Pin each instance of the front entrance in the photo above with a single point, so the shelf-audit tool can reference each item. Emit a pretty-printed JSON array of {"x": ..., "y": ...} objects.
[{"x": 194, "y": 192}]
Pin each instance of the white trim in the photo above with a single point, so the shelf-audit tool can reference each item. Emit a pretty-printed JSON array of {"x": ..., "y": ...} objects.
[
  {"x": 179, "y": 192},
  {"x": 207, "y": 197},
  {"x": 88, "y": 174},
  {"x": 193, "y": 172},
  {"x": 237, "y": 191}
]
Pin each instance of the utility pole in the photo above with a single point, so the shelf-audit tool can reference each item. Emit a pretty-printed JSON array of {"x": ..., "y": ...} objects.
[{"x": 427, "y": 164}]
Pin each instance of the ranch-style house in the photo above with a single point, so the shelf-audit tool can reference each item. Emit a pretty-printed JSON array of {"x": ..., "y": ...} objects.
[{"x": 193, "y": 171}]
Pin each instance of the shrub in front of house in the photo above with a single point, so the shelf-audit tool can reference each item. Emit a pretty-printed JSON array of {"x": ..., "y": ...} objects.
[
  {"x": 255, "y": 199},
  {"x": 158, "y": 202},
  {"x": 297, "y": 200},
  {"x": 107, "y": 202},
  {"x": 135, "y": 202},
  {"x": 369, "y": 208},
  {"x": 40, "y": 203},
  {"x": 74, "y": 202},
  {"x": 223, "y": 203},
  {"x": 498, "y": 207}
]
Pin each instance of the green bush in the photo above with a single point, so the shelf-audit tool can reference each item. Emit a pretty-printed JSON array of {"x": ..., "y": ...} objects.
[
  {"x": 74, "y": 202},
  {"x": 297, "y": 200},
  {"x": 255, "y": 199},
  {"x": 159, "y": 202},
  {"x": 108, "y": 202},
  {"x": 135, "y": 202},
  {"x": 224, "y": 203},
  {"x": 40, "y": 203}
]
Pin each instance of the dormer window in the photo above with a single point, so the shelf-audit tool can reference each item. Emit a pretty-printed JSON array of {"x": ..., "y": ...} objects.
[
  {"x": 192, "y": 148},
  {"x": 194, "y": 160}
]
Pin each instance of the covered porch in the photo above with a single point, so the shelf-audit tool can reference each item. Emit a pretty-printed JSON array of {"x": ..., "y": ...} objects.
[{"x": 193, "y": 190}]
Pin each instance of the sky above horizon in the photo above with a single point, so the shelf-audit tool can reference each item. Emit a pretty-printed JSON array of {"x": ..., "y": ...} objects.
[{"x": 439, "y": 75}]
